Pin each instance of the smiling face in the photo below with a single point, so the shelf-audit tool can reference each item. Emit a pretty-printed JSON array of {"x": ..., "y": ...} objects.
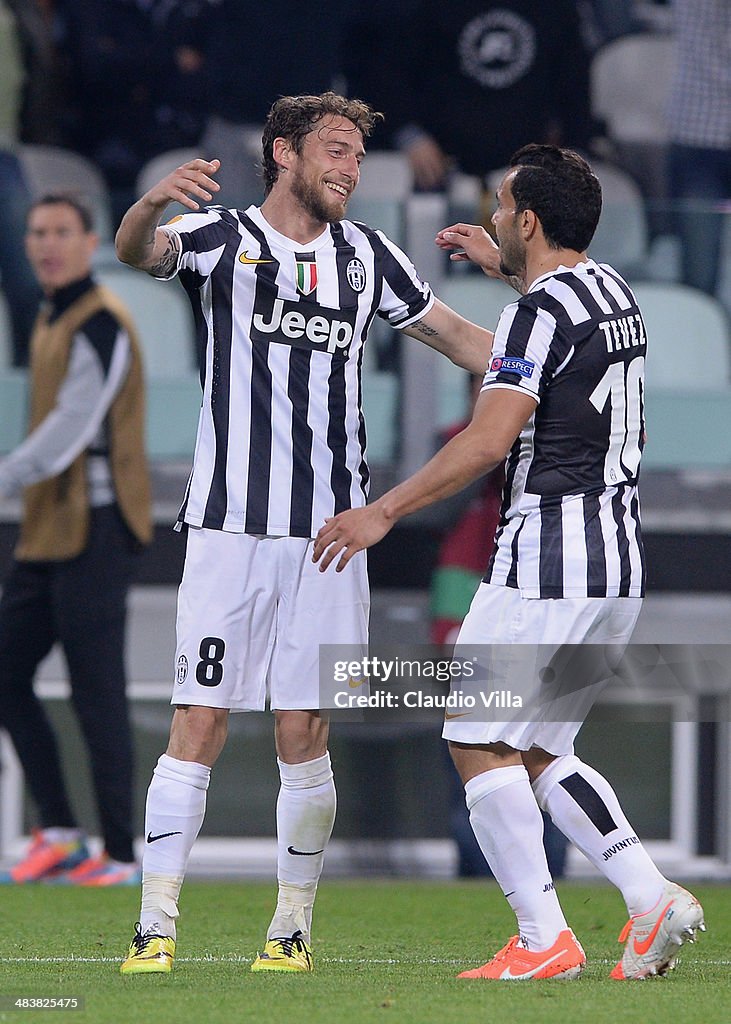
[
  {"x": 58, "y": 245},
  {"x": 505, "y": 222},
  {"x": 325, "y": 173}
]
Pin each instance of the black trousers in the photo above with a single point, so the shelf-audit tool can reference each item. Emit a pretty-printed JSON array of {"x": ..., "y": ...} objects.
[{"x": 80, "y": 603}]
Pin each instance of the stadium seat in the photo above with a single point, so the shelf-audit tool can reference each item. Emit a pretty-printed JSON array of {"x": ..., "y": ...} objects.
[
  {"x": 385, "y": 175},
  {"x": 380, "y": 407},
  {"x": 687, "y": 430},
  {"x": 621, "y": 237},
  {"x": 52, "y": 169},
  {"x": 173, "y": 405},
  {"x": 164, "y": 320},
  {"x": 380, "y": 199},
  {"x": 689, "y": 343},
  {"x": 480, "y": 299},
  {"x": 629, "y": 87},
  {"x": 630, "y": 84}
]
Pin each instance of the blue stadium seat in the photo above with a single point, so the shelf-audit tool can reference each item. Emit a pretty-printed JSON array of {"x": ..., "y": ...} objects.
[
  {"x": 380, "y": 407},
  {"x": 480, "y": 299},
  {"x": 173, "y": 405},
  {"x": 163, "y": 317},
  {"x": 689, "y": 343},
  {"x": 53, "y": 169}
]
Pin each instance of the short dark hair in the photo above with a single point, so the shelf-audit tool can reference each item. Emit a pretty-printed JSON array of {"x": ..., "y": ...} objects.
[
  {"x": 66, "y": 199},
  {"x": 294, "y": 117},
  {"x": 561, "y": 189}
]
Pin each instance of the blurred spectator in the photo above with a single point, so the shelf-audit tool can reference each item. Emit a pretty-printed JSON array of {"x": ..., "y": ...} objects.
[
  {"x": 472, "y": 80},
  {"x": 699, "y": 164},
  {"x": 83, "y": 476},
  {"x": 47, "y": 115},
  {"x": 254, "y": 53},
  {"x": 19, "y": 286},
  {"x": 139, "y": 82}
]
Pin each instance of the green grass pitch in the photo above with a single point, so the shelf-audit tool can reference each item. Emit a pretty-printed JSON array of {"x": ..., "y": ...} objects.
[{"x": 384, "y": 952}]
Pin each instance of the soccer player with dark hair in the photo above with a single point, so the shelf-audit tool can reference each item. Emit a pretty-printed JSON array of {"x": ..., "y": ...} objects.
[
  {"x": 283, "y": 295},
  {"x": 563, "y": 403}
]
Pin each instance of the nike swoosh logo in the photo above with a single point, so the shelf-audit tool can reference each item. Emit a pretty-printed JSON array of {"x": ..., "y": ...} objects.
[
  {"x": 449, "y": 715},
  {"x": 303, "y": 853},
  {"x": 245, "y": 258},
  {"x": 163, "y": 835},
  {"x": 642, "y": 947},
  {"x": 508, "y": 974}
]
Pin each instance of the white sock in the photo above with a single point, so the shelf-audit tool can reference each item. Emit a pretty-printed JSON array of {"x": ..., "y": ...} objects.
[
  {"x": 176, "y": 805},
  {"x": 305, "y": 818},
  {"x": 585, "y": 807},
  {"x": 509, "y": 828}
]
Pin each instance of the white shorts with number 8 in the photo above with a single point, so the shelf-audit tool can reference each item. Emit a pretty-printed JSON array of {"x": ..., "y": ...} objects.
[{"x": 252, "y": 614}]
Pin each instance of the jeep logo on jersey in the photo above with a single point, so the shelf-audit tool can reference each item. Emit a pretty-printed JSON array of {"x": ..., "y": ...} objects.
[
  {"x": 287, "y": 324},
  {"x": 356, "y": 275}
]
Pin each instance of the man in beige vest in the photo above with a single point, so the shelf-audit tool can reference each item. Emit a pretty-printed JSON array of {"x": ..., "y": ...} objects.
[{"x": 83, "y": 476}]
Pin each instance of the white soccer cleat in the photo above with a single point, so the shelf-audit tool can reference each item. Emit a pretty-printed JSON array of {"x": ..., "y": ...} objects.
[{"x": 653, "y": 939}]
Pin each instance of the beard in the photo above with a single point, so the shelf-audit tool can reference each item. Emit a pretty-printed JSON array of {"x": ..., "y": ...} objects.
[
  {"x": 512, "y": 260},
  {"x": 314, "y": 202}
]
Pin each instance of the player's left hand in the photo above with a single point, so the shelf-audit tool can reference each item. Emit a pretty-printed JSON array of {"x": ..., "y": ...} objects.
[{"x": 347, "y": 533}]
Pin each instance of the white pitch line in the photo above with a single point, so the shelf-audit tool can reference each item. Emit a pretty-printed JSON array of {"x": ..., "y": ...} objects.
[{"x": 432, "y": 961}]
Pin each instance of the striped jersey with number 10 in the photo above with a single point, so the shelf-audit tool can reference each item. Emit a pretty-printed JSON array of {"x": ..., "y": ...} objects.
[
  {"x": 570, "y": 520},
  {"x": 281, "y": 441}
]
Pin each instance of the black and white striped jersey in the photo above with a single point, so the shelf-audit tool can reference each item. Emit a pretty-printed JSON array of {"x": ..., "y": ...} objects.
[
  {"x": 281, "y": 441},
  {"x": 570, "y": 519}
]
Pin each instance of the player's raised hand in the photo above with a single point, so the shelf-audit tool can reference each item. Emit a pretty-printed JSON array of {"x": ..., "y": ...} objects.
[
  {"x": 349, "y": 532},
  {"x": 193, "y": 179},
  {"x": 471, "y": 244}
]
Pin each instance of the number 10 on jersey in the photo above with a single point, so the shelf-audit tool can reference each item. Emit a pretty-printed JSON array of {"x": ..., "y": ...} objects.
[{"x": 622, "y": 386}]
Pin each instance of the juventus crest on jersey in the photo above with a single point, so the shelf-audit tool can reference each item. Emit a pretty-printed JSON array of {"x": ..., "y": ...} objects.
[
  {"x": 281, "y": 439},
  {"x": 570, "y": 521}
]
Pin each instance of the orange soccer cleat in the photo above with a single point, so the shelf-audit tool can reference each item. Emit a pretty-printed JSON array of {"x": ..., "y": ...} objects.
[{"x": 564, "y": 959}]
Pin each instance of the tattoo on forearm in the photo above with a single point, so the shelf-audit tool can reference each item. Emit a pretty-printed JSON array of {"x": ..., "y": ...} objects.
[
  {"x": 168, "y": 260},
  {"x": 425, "y": 329},
  {"x": 517, "y": 283}
]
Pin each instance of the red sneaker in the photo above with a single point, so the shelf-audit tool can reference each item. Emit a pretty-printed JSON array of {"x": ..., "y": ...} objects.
[
  {"x": 45, "y": 859},
  {"x": 101, "y": 871}
]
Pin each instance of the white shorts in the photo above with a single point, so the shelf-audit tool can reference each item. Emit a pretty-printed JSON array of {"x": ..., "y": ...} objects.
[
  {"x": 252, "y": 614},
  {"x": 516, "y": 637}
]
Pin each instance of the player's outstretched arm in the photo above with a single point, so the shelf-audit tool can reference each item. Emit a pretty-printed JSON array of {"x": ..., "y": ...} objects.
[
  {"x": 497, "y": 420},
  {"x": 139, "y": 241},
  {"x": 465, "y": 343}
]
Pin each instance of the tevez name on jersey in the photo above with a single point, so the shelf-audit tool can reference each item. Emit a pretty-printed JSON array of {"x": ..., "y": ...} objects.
[
  {"x": 576, "y": 342},
  {"x": 281, "y": 439}
]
